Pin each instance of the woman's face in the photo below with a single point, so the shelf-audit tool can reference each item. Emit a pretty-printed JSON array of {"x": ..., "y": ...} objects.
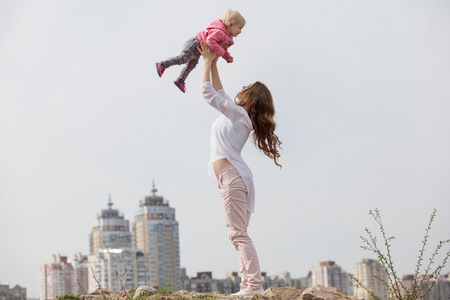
[{"x": 243, "y": 93}]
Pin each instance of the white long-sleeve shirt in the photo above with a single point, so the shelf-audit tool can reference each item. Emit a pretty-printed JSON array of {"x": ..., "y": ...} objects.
[{"x": 229, "y": 133}]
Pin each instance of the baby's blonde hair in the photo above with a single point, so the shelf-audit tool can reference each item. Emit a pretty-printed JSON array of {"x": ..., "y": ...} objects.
[{"x": 232, "y": 16}]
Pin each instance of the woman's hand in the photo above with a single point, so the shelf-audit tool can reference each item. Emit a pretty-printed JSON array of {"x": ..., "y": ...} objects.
[{"x": 209, "y": 57}]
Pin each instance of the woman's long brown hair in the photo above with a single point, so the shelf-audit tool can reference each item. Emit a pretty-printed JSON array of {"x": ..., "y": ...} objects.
[{"x": 261, "y": 112}]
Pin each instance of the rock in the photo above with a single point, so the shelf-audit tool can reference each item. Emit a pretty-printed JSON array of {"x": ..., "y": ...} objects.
[
  {"x": 144, "y": 290},
  {"x": 320, "y": 292},
  {"x": 282, "y": 293},
  {"x": 100, "y": 291}
]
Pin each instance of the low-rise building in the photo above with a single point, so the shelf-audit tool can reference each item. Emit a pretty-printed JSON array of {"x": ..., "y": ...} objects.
[
  {"x": 439, "y": 288},
  {"x": 300, "y": 283},
  {"x": 232, "y": 283},
  {"x": 204, "y": 283},
  {"x": 15, "y": 293},
  {"x": 281, "y": 280}
]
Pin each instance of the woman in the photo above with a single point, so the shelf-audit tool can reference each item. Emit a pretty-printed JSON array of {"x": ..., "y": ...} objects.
[{"x": 253, "y": 111}]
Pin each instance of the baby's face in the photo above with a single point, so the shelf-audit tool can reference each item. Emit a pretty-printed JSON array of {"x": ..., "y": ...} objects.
[{"x": 235, "y": 29}]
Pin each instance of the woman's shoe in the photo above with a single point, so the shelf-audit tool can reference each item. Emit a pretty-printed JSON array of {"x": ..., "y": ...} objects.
[{"x": 249, "y": 293}]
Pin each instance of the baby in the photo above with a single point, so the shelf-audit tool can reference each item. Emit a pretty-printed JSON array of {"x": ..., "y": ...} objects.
[{"x": 219, "y": 37}]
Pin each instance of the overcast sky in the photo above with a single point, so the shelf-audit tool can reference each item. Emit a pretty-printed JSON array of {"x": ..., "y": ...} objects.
[{"x": 362, "y": 93}]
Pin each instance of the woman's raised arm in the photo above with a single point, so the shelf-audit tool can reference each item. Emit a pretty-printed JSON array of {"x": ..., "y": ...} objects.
[
  {"x": 210, "y": 68},
  {"x": 216, "y": 83}
]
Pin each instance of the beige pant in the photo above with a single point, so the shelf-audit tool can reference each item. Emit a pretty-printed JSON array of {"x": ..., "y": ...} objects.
[{"x": 237, "y": 218}]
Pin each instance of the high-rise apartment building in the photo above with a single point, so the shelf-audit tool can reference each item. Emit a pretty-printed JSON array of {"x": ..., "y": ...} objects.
[
  {"x": 110, "y": 231},
  {"x": 64, "y": 277},
  {"x": 57, "y": 278},
  {"x": 113, "y": 257},
  {"x": 365, "y": 272},
  {"x": 156, "y": 233},
  {"x": 110, "y": 266},
  {"x": 80, "y": 269},
  {"x": 331, "y": 275},
  {"x": 114, "y": 253}
]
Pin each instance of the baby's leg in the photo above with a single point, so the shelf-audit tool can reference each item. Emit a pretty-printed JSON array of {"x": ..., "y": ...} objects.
[
  {"x": 187, "y": 54},
  {"x": 187, "y": 69}
]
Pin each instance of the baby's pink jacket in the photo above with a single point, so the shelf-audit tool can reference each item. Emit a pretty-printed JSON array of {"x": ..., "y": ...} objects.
[{"x": 217, "y": 38}]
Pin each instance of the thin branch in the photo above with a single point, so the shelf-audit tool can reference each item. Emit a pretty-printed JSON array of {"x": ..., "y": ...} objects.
[
  {"x": 123, "y": 280},
  {"x": 421, "y": 285},
  {"x": 81, "y": 288},
  {"x": 360, "y": 284},
  {"x": 99, "y": 286}
]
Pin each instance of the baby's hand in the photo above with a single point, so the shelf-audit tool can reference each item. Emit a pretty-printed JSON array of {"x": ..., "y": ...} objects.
[
  {"x": 230, "y": 60},
  {"x": 222, "y": 53}
]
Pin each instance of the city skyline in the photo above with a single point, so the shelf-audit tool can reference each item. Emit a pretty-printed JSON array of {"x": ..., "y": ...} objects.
[
  {"x": 109, "y": 204},
  {"x": 361, "y": 97},
  {"x": 329, "y": 274},
  {"x": 326, "y": 273}
]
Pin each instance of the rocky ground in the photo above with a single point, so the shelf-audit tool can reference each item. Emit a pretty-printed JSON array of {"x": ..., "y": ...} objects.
[{"x": 314, "y": 293}]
